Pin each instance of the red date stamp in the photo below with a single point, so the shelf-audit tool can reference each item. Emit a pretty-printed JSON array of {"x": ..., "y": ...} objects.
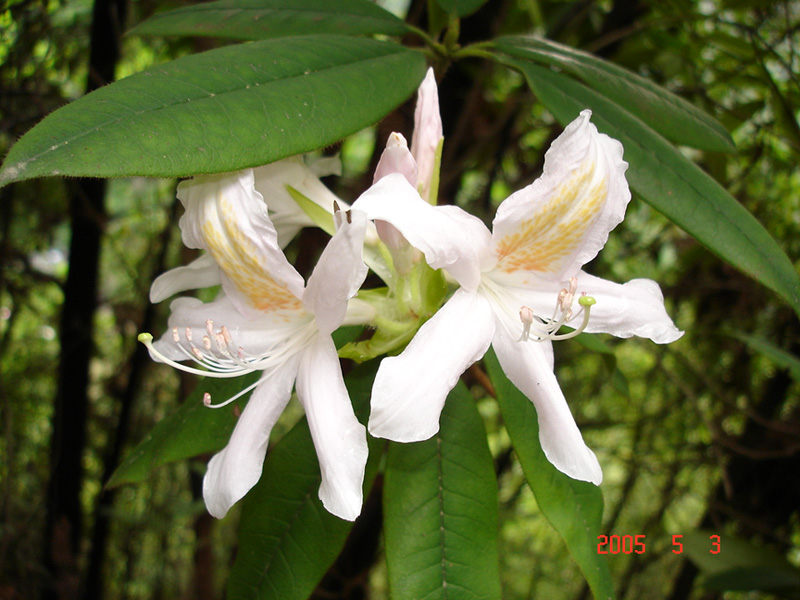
[{"x": 636, "y": 544}]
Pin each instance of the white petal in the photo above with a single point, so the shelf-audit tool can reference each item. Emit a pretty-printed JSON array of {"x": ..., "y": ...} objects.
[
  {"x": 255, "y": 337},
  {"x": 410, "y": 389},
  {"x": 287, "y": 216},
  {"x": 396, "y": 158},
  {"x": 340, "y": 440},
  {"x": 427, "y": 132},
  {"x": 527, "y": 366},
  {"x": 227, "y": 217},
  {"x": 562, "y": 220},
  {"x": 200, "y": 273},
  {"x": 339, "y": 273},
  {"x": 237, "y": 468},
  {"x": 625, "y": 310},
  {"x": 448, "y": 237}
]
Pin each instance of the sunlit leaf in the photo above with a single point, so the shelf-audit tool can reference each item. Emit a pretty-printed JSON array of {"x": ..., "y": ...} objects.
[
  {"x": 674, "y": 185},
  {"x": 226, "y": 109},
  {"x": 287, "y": 540},
  {"x": 573, "y": 508},
  {"x": 440, "y": 511},
  {"x": 262, "y": 19},
  {"x": 190, "y": 431},
  {"x": 668, "y": 114}
]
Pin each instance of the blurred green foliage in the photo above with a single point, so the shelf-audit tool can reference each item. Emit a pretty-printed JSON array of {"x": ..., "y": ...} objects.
[{"x": 709, "y": 435}]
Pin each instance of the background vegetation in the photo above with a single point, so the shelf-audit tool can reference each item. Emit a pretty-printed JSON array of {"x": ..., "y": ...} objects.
[{"x": 701, "y": 435}]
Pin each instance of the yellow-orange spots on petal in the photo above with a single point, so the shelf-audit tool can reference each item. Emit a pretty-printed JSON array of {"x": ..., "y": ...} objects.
[
  {"x": 545, "y": 241},
  {"x": 239, "y": 259}
]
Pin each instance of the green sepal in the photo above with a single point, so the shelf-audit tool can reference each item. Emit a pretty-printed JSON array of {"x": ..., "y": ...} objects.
[{"x": 321, "y": 217}]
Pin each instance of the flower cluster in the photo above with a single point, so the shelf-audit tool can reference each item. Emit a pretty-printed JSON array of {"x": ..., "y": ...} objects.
[{"x": 514, "y": 288}]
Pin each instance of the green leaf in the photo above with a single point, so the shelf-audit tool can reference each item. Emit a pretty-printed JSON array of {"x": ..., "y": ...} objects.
[
  {"x": 287, "y": 540},
  {"x": 674, "y": 185},
  {"x": 741, "y": 564},
  {"x": 262, "y": 19},
  {"x": 227, "y": 109},
  {"x": 573, "y": 508},
  {"x": 440, "y": 511},
  {"x": 782, "y": 358},
  {"x": 460, "y": 8},
  {"x": 668, "y": 114},
  {"x": 192, "y": 430}
]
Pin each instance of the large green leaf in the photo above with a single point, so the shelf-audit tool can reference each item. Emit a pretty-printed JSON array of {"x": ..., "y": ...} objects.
[
  {"x": 574, "y": 508},
  {"x": 226, "y": 109},
  {"x": 190, "y": 431},
  {"x": 673, "y": 184},
  {"x": 668, "y": 114},
  {"x": 262, "y": 19},
  {"x": 440, "y": 511},
  {"x": 287, "y": 540}
]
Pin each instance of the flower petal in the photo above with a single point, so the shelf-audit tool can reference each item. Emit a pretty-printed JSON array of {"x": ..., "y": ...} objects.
[
  {"x": 562, "y": 220},
  {"x": 448, "y": 237},
  {"x": 625, "y": 310},
  {"x": 237, "y": 467},
  {"x": 526, "y": 364},
  {"x": 200, "y": 273},
  {"x": 410, "y": 389},
  {"x": 339, "y": 272},
  {"x": 286, "y": 215},
  {"x": 396, "y": 158},
  {"x": 227, "y": 217},
  {"x": 255, "y": 337},
  {"x": 427, "y": 133},
  {"x": 340, "y": 440}
]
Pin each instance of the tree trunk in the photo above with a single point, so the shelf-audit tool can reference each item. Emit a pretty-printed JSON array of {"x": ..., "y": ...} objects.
[{"x": 63, "y": 528}]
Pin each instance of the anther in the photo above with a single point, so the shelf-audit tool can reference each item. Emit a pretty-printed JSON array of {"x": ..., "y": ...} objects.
[{"x": 526, "y": 316}]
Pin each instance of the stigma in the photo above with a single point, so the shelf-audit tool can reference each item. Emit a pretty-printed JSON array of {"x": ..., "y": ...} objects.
[{"x": 538, "y": 329}]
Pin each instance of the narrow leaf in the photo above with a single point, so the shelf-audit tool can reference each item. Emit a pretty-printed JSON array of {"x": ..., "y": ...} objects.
[
  {"x": 262, "y": 19},
  {"x": 190, "y": 431},
  {"x": 440, "y": 511},
  {"x": 227, "y": 109},
  {"x": 673, "y": 117},
  {"x": 287, "y": 540},
  {"x": 674, "y": 185},
  {"x": 573, "y": 508},
  {"x": 782, "y": 358}
]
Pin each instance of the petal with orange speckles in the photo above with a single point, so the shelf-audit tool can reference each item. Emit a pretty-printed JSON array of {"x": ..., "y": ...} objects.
[
  {"x": 562, "y": 220},
  {"x": 227, "y": 217}
]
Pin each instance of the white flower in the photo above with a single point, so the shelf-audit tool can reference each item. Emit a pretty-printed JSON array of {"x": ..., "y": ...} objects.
[
  {"x": 267, "y": 319},
  {"x": 518, "y": 285}
]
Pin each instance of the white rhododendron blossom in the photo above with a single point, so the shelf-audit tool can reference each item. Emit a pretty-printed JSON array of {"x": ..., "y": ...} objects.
[
  {"x": 518, "y": 285},
  {"x": 267, "y": 319}
]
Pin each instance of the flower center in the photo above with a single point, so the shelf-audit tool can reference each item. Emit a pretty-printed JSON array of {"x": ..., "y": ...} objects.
[
  {"x": 219, "y": 357},
  {"x": 538, "y": 329}
]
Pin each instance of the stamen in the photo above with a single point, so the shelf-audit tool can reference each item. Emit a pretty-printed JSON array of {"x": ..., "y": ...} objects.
[
  {"x": 207, "y": 396},
  {"x": 545, "y": 329}
]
